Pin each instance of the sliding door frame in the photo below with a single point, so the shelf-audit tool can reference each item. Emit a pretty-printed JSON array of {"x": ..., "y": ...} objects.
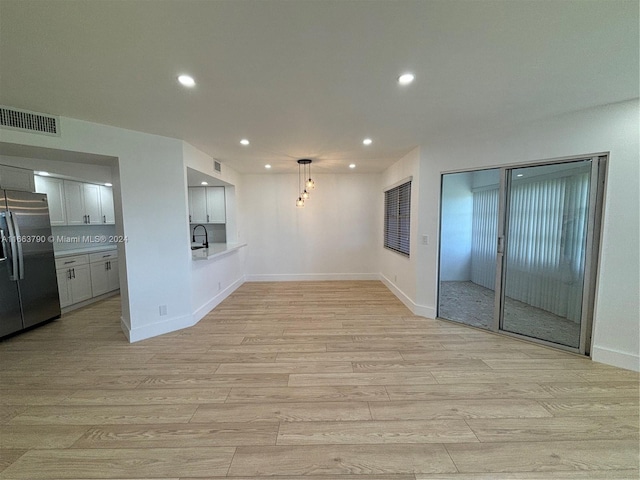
[{"x": 597, "y": 184}]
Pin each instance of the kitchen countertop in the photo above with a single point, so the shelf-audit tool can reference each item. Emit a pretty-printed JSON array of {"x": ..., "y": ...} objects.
[
  {"x": 215, "y": 250},
  {"x": 83, "y": 251}
]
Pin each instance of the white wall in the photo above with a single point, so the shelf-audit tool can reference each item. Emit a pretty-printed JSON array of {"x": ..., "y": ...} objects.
[
  {"x": 399, "y": 272},
  {"x": 155, "y": 265},
  {"x": 335, "y": 236},
  {"x": 214, "y": 280},
  {"x": 456, "y": 228},
  {"x": 612, "y": 128}
]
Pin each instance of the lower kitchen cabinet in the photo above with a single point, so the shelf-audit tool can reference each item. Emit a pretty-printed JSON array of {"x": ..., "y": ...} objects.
[
  {"x": 74, "y": 285},
  {"x": 104, "y": 277},
  {"x": 82, "y": 277}
]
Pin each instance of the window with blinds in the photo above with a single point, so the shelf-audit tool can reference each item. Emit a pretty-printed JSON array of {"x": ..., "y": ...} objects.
[{"x": 397, "y": 217}]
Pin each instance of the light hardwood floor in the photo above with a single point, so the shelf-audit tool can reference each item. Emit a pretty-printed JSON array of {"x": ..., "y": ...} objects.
[{"x": 328, "y": 379}]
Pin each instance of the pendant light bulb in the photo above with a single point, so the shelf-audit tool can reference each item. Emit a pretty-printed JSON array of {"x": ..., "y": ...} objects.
[
  {"x": 310, "y": 184},
  {"x": 305, "y": 195},
  {"x": 300, "y": 202}
]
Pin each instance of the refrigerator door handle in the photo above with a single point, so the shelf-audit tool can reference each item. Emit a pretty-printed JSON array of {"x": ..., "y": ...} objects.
[
  {"x": 3, "y": 242},
  {"x": 19, "y": 244},
  {"x": 12, "y": 244}
]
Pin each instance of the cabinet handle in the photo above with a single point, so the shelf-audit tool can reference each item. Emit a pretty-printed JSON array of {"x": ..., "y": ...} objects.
[
  {"x": 69, "y": 274},
  {"x": 108, "y": 265},
  {"x": 69, "y": 262},
  {"x": 207, "y": 218},
  {"x": 88, "y": 218},
  {"x": 104, "y": 219},
  {"x": 189, "y": 218},
  {"x": 74, "y": 272}
]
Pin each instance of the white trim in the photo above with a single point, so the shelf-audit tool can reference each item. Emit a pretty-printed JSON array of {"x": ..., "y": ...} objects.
[
  {"x": 159, "y": 328},
  {"x": 616, "y": 358},
  {"x": 397, "y": 184},
  {"x": 200, "y": 313},
  {"x": 420, "y": 310},
  {"x": 310, "y": 277},
  {"x": 126, "y": 328},
  {"x": 177, "y": 323}
]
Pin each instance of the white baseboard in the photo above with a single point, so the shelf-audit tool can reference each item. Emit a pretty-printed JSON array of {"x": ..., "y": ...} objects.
[
  {"x": 311, "y": 277},
  {"x": 155, "y": 329},
  {"x": 420, "y": 310},
  {"x": 616, "y": 358},
  {"x": 177, "y": 323},
  {"x": 200, "y": 313}
]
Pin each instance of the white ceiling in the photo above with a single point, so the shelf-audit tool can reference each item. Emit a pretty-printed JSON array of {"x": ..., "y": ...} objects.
[{"x": 313, "y": 78}]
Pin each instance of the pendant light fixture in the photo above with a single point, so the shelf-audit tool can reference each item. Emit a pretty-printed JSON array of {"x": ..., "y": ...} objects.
[{"x": 308, "y": 184}]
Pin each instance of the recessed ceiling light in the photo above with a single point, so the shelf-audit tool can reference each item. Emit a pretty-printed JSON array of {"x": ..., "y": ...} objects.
[
  {"x": 520, "y": 175},
  {"x": 367, "y": 141},
  {"x": 187, "y": 80},
  {"x": 267, "y": 166},
  {"x": 108, "y": 185},
  {"x": 406, "y": 78},
  {"x": 204, "y": 183},
  {"x": 43, "y": 174},
  {"x": 353, "y": 165},
  {"x": 244, "y": 141}
]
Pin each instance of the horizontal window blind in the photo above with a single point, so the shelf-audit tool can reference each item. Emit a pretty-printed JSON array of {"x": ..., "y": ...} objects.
[{"x": 397, "y": 218}]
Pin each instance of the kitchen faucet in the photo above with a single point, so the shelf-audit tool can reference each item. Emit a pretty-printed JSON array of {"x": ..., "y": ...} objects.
[{"x": 206, "y": 235}]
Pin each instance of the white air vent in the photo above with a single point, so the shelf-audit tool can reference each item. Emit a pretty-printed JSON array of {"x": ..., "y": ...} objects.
[
  {"x": 217, "y": 166},
  {"x": 27, "y": 121}
]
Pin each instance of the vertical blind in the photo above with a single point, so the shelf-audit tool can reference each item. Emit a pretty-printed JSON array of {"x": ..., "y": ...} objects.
[
  {"x": 397, "y": 217},
  {"x": 545, "y": 252}
]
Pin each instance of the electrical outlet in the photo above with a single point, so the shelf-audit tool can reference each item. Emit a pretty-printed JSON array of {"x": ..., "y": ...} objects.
[
  {"x": 163, "y": 310},
  {"x": 425, "y": 239}
]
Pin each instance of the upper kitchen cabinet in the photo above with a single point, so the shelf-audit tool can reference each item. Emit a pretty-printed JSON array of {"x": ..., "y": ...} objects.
[
  {"x": 77, "y": 203},
  {"x": 54, "y": 189},
  {"x": 88, "y": 204},
  {"x": 206, "y": 205},
  {"x": 13, "y": 178},
  {"x": 74, "y": 203},
  {"x": 92, "y": 206},
  {"x": 106, "y": 205}
]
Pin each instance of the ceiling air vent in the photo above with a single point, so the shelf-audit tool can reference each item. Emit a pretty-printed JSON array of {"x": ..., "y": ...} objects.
[
  {"x": 217, "y": 166},
  {"x": 27, "y": 121}
]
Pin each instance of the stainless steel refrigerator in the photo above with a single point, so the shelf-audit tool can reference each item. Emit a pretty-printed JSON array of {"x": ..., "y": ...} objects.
[{"x": 28, "y": 283}]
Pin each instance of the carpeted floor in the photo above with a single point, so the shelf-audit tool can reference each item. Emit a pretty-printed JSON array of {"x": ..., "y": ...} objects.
[{"x": 473, "y": 304}]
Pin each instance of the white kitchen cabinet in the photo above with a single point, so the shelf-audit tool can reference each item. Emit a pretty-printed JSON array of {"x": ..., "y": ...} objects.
[
  {"x": 92, "y": 209},
  {"x": 206, "y": 205},
  {"x": 54, "y": 189},
  {"x": 106, "y": 205},
  {"x": 13, "y": 178},
  {"x": 215, "y": 205},
  {"x": 74, "y": 279},
  {"x": 74, "y": 203},
  {"x": 88, "y": 203},
  {"x": 104, "y": 272},
  {"x": 197, "y": 205},
  {"x": 64, "y": 291}
]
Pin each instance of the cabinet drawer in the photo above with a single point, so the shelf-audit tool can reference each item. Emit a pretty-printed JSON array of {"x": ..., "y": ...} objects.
[
  {"x": 72, "y": 261},
  {"x": 99, "y": 257}
]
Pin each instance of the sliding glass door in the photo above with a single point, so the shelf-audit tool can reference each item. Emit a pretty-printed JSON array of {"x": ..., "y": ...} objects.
[
  {"x": 518, "y": 248},
  {"x": 468, "y": 229}
]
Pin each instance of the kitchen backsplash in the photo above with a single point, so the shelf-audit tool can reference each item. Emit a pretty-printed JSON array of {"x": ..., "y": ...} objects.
[
  {"x": 217, "y": 233},
  {"x": 72, "y": 237}
]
